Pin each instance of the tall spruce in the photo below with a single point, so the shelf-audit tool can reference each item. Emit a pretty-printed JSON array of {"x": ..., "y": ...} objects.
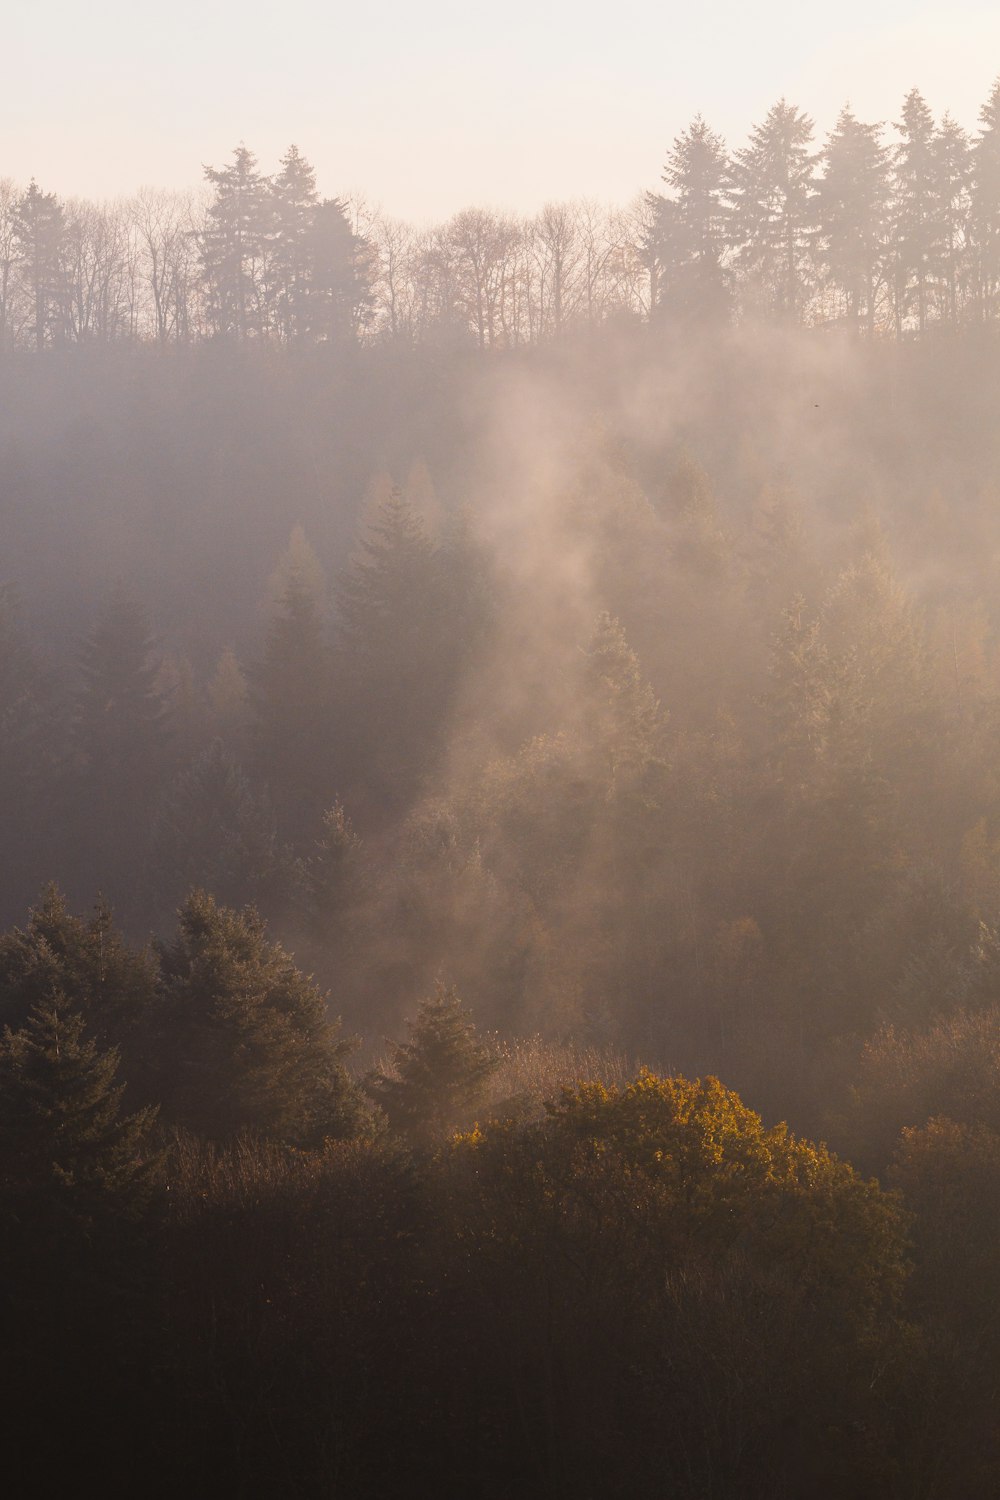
[
  {"x": 396, "y": 651},
  {"x": 435, "y": 1080},
  {"x": 771, "y": 197},
  {"x": 852, "y": 218},
  {"x": 234, "y": 245},
  {"x": 952, "y": 167},
  {"x": 245, "y": 1042},
  {"x": 691, "y": 226},
  {"x": 70, "y": 1159},
  {"x": 917, "y": 222},
  {"x": 39, "y": 239},
  {"x": 290, "y": 693},
  {"x": 984, "y": 218}
]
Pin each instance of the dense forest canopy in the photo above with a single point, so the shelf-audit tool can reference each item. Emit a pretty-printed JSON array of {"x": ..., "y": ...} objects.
[{"x": 441, "y": 672}]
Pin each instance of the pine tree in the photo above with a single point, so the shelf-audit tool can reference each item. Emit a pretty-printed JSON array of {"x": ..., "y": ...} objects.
[
  {"x": 624, "y": 716},
  {"x": 397, "y": 653},
  {"x": 952, "y": 166},
  {"x": 119, "y": 728},
  {"x": 340, "y": 268},
  {"x": 213, "y": 831},
  {"x": 691, "y": 225},
  {"x": 295, "y": 202},
  {"x": 771, "y": 198},
  {"x": 27, "y": 752},
  {"x": 436, "y": 1079},
  {"x": 101, "y": 977},
  {"x": 917, "y": 224},
  {"x": 984, "y": 218},
  {"x": 852, "y": 214},
  {"x": 69, "y": 1158},
  {"x": 234, "y": 247},
  {"x": 39, "y": 235},
  {"x": 229, "y": 699},
  {"x": 245, "y": 1043},
  {"x": 801, "y": 696},
  {"x": 335, "y": 880},
  {"x": 290, "y": 694}
]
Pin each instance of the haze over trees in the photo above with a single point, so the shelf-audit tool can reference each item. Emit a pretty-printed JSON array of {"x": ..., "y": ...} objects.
[
  {"x": 441, "y": 672},
  {"x": 877, "y": 227}
]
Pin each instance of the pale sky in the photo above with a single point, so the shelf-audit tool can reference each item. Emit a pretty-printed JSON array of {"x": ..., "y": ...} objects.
[{"x": 427, "y": 108}]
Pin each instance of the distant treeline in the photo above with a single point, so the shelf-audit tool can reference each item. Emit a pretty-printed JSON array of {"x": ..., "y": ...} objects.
[{"x": 884, "y": 236}]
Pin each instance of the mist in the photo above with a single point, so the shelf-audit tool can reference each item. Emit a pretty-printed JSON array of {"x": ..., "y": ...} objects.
[{"x": 501, "y": 828}]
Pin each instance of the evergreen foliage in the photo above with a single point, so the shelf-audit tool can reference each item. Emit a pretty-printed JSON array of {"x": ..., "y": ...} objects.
[
  {"x": 119, "y": 723},
  {"x": 69, "y": 1157},
  {"x": 771, "y": 197},
  {"x": 244, "y": 1040},
  {"x": 110, "y": 985},
  {"x": 213, "y": 832},
  {"x": 437, "y": 1077}
]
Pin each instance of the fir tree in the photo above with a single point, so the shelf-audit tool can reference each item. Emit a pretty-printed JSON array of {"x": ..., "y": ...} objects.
[
  {"x": 335, "y": 878},
  {"x": 229, "y": 699},
  {"x": 213, "y": 831},
  {"x": 294, "y": 200},
  {"x": 952, "y": 165},
  {"x": 852, "y": 213},
  {"x": 28, "y": 755},
  {"x": 624, "y": 715},
  {"x": 245, "y": 1042},
  {"x": 984, "y": 217},
  {"x": 690, "y": 233},
  {"x": 290, "y": 692},
  {"x": 108, "y": 983},
  {"x": 69, "y": 1157},
  {"x": 397, "y": 650},
  {"x": 234, "y": 245},
  {"x": 39, "y": 237},
  {"x": 119, "y": 724},
  {"x": 436, "y": 1079},
  {"x": 772, "y": 210},
  {"x": 917, "y": 226},
  {"x": 340, "y": 268}
]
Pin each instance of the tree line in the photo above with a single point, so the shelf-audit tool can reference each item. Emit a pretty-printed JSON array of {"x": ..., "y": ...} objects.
[{"x": 890, "y": 236}]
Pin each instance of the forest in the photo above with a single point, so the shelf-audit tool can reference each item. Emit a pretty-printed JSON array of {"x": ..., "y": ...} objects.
[{"x": 499, "y": 800}]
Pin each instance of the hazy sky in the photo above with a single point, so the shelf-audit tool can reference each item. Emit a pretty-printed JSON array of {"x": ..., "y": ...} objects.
[{"x": 428, "y": 107}]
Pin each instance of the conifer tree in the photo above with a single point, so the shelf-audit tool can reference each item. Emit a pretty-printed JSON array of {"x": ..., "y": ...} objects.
[
  {"x": 340, "y": 268},
  {"x": 39, "y": 235},
  {"x": 295, "y": 201},
  {"x": 771, "y": 198},
  {"x": 68, "y": 1155},
  {"x": 244, "y": 1040},
  {"x": 229, "y": 699},
  {"x": 290, "y": 693},
  {"x": 984, "y": 217},
  {"x": 952, "y": 166},
  {"x": 119, "y": 711},
  {"x": 104, "y": 980},
  {"x": 234, "y": 247},
  {"x": 335, "y": 879},
  {"x": 28, "y": 754},
  {"x": 852, "y": 212},
  {"x": 438, "y": 1076},
  {"x": 397, "y": 653},
  {"x": 690, "y": 233},
  {"x": 917, "y": 224},
  {"x": 801, "y": 695},
  {"x": 213, "y": 831},
  {"x": 624, "y": 717}
]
